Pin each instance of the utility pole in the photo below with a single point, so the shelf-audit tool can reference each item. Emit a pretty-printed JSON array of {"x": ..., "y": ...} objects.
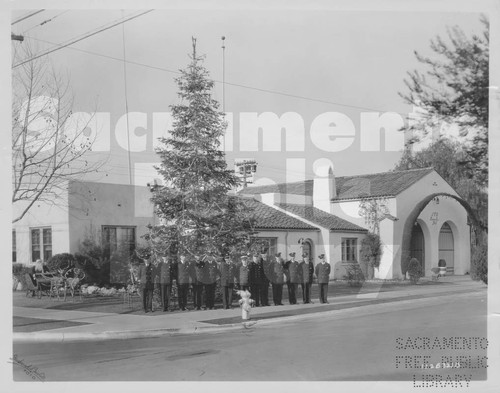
[{"x": 223, "y": 89}]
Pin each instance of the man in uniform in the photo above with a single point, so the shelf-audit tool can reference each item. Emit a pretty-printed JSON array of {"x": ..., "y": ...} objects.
[
  {"x": 228, "y": 274},
  {"x": 166, "y": 275},
  {"x": 307, "y": 268},
  {"x": 255, "y": 278},
  {"x": 294, "y": 272},
  {"x": 277, "y": 279},
  {"x": 322, "y": 271},
  {"x": 183, "y": 277},
  {"x": 211, "y": 274},
  {"x": 199, "y": 277},
  {"x": 244, "y": 274},
  {"x": 264, "y": 266},
  {"x": 145, "y": 278}
]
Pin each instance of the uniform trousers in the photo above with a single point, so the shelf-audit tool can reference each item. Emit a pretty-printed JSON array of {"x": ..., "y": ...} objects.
[
  {"x": 165, "y": 291},
  {"x": 323, "y": 293},
  {"x": 227, "y": 295},
  {"x": 306, "y": 292},
  {"x": 147, "y": 298},
  {"x": 254, "y": 291},
  {"x": 277, "y": 294},
  {"x": 209, "y": 295},
  {"x": 197, "y": 295},
  {"x": 182, "y": 290},
  {"x": 264, "y": 293},
  {"x": 292, "y": 293}
]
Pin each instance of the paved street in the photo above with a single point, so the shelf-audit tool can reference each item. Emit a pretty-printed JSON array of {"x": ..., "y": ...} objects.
[{"x": 351, "y": 344}]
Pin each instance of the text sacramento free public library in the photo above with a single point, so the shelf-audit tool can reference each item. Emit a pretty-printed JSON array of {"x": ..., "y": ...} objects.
[
  {"x": 453, "y": 343},
  {"x": 329, "y": 131}
]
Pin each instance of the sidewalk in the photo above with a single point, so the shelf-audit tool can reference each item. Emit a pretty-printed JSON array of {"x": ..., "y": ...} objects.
[{"x": 83, "y": 325}]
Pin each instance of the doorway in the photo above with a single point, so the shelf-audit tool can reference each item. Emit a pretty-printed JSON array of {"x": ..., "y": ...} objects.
[{"x": 417, "y": 245}]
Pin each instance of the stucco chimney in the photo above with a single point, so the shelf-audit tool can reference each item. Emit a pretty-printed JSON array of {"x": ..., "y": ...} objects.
[{"x": 324, "y": 188}]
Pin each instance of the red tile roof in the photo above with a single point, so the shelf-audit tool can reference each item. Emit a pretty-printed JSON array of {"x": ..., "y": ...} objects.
[
  {"x": 351, "y": 187},
  {"x": 321, "y": 218},
  {"x": 268, "y": 217}
]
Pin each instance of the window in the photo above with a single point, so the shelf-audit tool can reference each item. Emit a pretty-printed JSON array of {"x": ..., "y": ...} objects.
[
  {"x": 41, "y": 243},
  {"x": 271, "y": 243},
  {"x": 14, "y": 253},
  {"x": 115, "y": 238},
  {"x": 349, "y": 250}
]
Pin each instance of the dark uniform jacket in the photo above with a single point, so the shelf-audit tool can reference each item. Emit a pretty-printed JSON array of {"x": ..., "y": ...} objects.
[
  {"x": 143, "y": 276},
  {"x": 166, "y": 273},
  {"x": 295, "y": 272},
  {"x": 228, "y": 272},
  {"x": 244, "y": 275},
  {"x": 184, "y": 272},
  {"x": 212, "y": 272},
  {"x": 278, "y": 272},
  {"x": 323, "y": 272},
  {"x": 307, "y": 272},
  {"x": 200, "y": 273},
  {"x": 255, "y": 273},
  {"x": 266, "y": 273}
]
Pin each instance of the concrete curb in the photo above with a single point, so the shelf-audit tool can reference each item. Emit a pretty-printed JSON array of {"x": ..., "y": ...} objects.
[{"x": 117, "y": 335}]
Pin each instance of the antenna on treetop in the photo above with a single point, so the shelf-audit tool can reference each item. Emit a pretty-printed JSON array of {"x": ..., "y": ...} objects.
[{"x": 194, "y": 47}]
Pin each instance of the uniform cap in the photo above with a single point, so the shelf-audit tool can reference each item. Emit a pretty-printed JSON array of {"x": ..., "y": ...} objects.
[
  {"x": 322, "y": 256},
  {"x": 292, "y": 254}
]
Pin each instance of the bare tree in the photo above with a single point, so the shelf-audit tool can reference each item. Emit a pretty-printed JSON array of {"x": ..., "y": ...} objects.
[{"x": 49, "y": 145}]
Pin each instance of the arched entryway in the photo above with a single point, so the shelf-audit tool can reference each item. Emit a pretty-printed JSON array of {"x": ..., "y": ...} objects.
[
  {"x": 417, "y": 245},
  {"x": 447, "y": 247},
  {"x": 412, "y": 218}
]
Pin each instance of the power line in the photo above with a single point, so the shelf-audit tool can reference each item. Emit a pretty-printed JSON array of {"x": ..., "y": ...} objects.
[
  {"x": 46, "y": 21},
  {"x": 26, "y": 17},
  {"x": 157, "y": 68},
  {"x": 87, "y": 35},
  {"x": 126, "y": 102}
]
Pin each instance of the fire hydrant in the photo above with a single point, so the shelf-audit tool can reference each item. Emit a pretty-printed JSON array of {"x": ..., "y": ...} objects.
[{"x": 245, "y": 303}]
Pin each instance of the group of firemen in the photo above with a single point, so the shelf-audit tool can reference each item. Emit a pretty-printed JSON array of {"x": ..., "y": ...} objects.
[{"x": 253, "y": 272}]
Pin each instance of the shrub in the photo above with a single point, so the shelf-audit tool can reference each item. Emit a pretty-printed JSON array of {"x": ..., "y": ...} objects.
[
  {"x": 442, "y": 263},
  {"x": 479, "y": 266},
  {"x": 414, "y": 270},
  {"x": 19, "y": 274},
  {"x": 62, "y": 261},
  {"x": 354, "y": 275},
  {"x": 404, "y": 266},
  {"x": 17, "y": 268}
]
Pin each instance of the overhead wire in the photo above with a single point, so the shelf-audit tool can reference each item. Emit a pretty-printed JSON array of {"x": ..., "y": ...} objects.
[
  {"x": 26, "y": 17},
  {"x": 269, "y": 91},
  {"x": 46, "y": 21},
  {"x": 85, "y": 36}
]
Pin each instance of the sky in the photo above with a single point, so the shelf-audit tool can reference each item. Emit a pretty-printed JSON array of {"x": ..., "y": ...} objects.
[{"x": 321, "y": 65}]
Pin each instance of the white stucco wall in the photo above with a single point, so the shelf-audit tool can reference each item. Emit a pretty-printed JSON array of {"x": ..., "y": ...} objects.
[
  {"x": 96, "y": 204},
  {"x": 349, "y": 210},
  {"x": 288, "y": 241},
  {"x": 42, "y": 215},
  {"x": 338, "y": 266},
  {"x": 448, "y": 210}
]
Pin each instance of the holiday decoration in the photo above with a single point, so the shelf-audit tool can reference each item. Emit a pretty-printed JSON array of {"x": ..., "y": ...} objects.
[{"x": 196, "y": 213}]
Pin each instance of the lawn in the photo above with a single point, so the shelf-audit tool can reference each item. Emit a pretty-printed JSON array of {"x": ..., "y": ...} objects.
[{"x": 115, "y": 304}]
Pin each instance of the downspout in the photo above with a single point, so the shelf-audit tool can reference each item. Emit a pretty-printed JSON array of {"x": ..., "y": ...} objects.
[{"x": 286, "y": 243}]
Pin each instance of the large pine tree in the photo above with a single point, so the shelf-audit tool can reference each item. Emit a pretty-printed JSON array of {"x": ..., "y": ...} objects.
[{"x": 196, "y": 213}]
